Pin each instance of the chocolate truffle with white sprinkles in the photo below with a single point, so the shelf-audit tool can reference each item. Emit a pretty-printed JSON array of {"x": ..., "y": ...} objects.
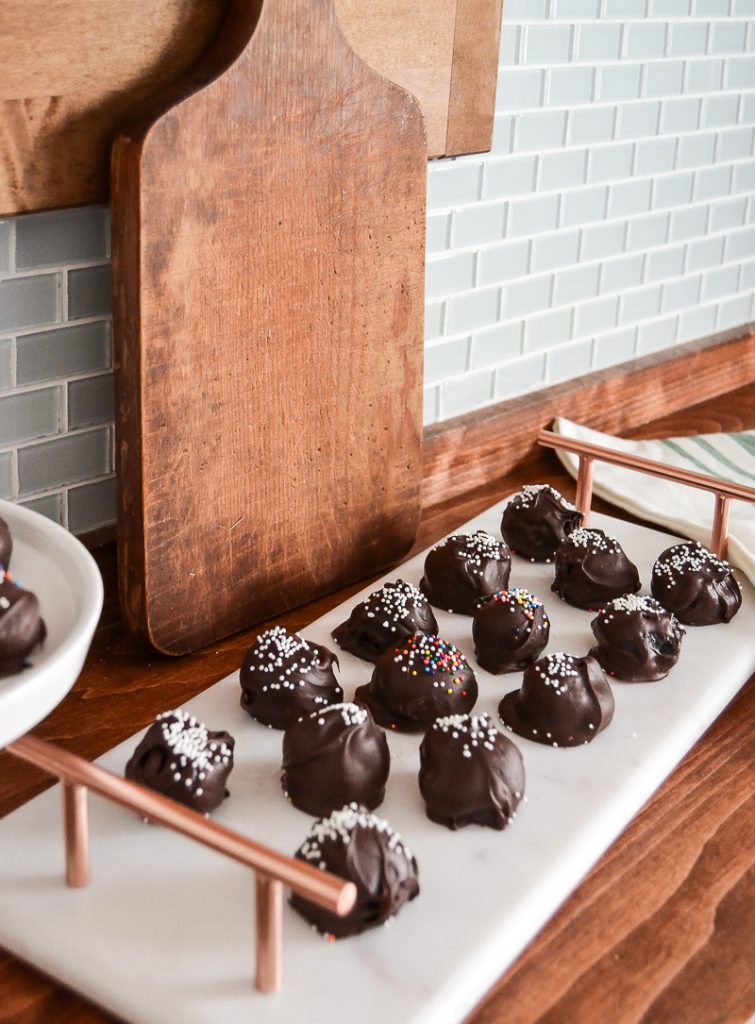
[
  {"x": 470, "y": 773},
  {"x": 699, "y": 588},
  {"x": 465, "y": 568},
  {"x": 6, "y": 544},
  {"x": 21, "y": 625},
  {"x": 333, "y": 757},
  {"x": 183, "y": 759},
  {"x": 563, "y": 701},
  {"x": 638, "y": 640},
  {"x": 389, "y": 615},
  {"x": 362, "y": 848},
  {"x": 423, "y": 679},
  {"x": 283, "y": 678},
  {"x": 510, "y": 630},
  {"x": 592, "y": 569},
  {"x": 537, "y": 520}
]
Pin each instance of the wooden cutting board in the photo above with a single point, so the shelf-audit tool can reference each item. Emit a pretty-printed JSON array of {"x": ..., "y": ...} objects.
[{"x": 268, "y": 258}]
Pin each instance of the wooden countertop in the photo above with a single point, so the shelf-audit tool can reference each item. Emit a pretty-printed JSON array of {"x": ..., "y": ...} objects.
[{"x": 661, "y": 930}]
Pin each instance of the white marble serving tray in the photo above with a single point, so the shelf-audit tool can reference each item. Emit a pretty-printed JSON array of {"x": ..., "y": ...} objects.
[{"x": 163, "y": 935}]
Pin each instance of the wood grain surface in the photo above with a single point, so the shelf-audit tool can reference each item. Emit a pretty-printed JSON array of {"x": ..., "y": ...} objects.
[
  {"x": 73, "y": 71},
  {"x": 268, "y": 265},
  {"x": 660, "y": 932},
  {"x": 465, "y": 452}
]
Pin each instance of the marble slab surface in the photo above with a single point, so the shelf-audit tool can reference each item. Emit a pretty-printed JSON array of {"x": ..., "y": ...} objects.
[{"x": 164, "y": 934}]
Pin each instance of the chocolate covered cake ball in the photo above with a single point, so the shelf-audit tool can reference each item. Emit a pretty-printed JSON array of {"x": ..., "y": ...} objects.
[
  {"x": 537, "y": 520},
  {"x": 183, "y": 759},
  {"x": 333, "y": 757},
  {"x": 423, "y": 679},
  {"x": 362, "y": 848},
  {"x": 464, "y": 568},
  {"x": 698, "y": 587},
  {"x": 6, "y": 544},
  {"x": 21, "y": 625},
  {"x": 592, "y": 569},
  {"x": 283, "y": 678},
  {"x": 389, "y": 615},
  {"x": 563, "y": 701},
  {"x": 470, "y": 773},
  {"x": 638, "y": 640},
  {"x": 510, "y": 630}
]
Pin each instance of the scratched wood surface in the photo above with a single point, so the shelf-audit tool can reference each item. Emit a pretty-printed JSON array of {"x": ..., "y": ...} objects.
[
  {"x": 268, "y": 266},
  {"x": 661, "y": 930},
  {"x": 72, "y": 71}
]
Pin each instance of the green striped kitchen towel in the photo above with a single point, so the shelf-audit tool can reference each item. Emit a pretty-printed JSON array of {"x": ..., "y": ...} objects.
[{"x": 685, "y": 510}]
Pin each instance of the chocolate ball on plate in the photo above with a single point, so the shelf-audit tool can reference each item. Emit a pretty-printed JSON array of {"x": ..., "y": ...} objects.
[
  {"x": 592, "y": 569},
  {"x": 510, "y": 630},
  {"x": 470, "y": 773},
  {"x": 638, "y": 641},
  {"x": 563, "y": 701},
  {"x": 423, "y": 679},
  {"x": 21, "y": 625},
  {"x": 333, "y": 757},
  {"x": 699, "y": 588},
  {"x": 463, "y": 569},
  {"x": 284, "y": 678},
  {"x": 181, "y": 758},
  {"x": 6, "y": 544},
  {"x": 389, "y": 615},
  {"x": 356, "y": 845},
  {"x": 537, "y": 520}
]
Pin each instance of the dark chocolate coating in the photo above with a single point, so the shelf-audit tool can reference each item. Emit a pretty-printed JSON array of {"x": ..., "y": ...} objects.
[
  {"x": 638, "y": 640},
  {"x": 6, "y": 544},
  {"x": 510, "y": 631},
  {"x": 21, "y": 626},
  {"x": 563, "y": 701},
  {"x": 537, "y": 520},
  {"x": 181, "y": 758},
  {"x": 699, "y": 588},
  {"x": 389, "y": 616},
  {"x": 423, "y": 679},
  {"x": 463, "y": 569},
  {"x": 362, "y": 848},
  {"x": 592, "y": 569},
  {"x": 333, "y": 757},
  {"x": 284, "y": 678},
  {"x": 470, "y": 773}
]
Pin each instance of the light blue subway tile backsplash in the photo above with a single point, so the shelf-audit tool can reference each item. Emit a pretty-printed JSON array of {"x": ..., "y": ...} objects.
[{"x": 613, "y": 218}]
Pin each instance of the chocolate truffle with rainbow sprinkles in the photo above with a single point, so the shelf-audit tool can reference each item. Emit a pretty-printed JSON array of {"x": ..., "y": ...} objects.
[
  {"x": 463, "y": 569},
  {"x": 592, "y": 569},
  {"x": 6, "y": 544},
  {"x": 181, "y": 758},
  {"x": 699, "y": 588},
  {"x": 389, "y": 615},
  {"x": 638, "y": 640},
  {"x": 470, "y": 773},
  {"x": 564, "y": 701},
  {"x": 283, "y": 678},
  {"x": 510, "y": 630},
  {"x": 537, "y": 520},
  {"x": 333, "y": 757},
  {"x": 360, "y": 847},
  {"x": 413, "y": 684},
  {"x": 21, "y": 625}
]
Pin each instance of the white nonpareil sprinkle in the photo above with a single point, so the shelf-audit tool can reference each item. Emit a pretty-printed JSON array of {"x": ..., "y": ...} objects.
[
  {"x": 394, "y": 602},
  {"x": 635, "y": 603},
  {"x": 352, "y": 714},
  {"x": 684, "y": 558},
  {"x": 477, "y": 547},
  {"x": 471, "y": 730},
  {"x": 595, "y": 540},
  {"x": 529, "y": 492},
  {"x": 341, "y": 824},
  {"x": 189, "y": 741}
]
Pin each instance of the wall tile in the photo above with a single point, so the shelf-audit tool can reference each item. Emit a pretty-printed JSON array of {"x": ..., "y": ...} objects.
[
  {"x": 602, "y": 240},
  {"x": 640, "y": 304},
  {"x": 647, "y": 231},
  {"x": 520, "y": 88},
  {"x": 664, "y": 263},
  {"x": 89, "y": 292},
  {"x": 728, "y": 213},
  {"x": 49, "y": 505},
  {"x": 733, "y": 312},
  {"x": 608, "y": 163},
  {"x": 696, "y": 150},
  {"x": 6, "y": 475},
  {"x": 548, "y": 44},
  {"x": 29, "y": 414},
  {"x": 563, "y": 170},
  {"x": 614, "y": 347},
  {"x": 430, "y": 404},
  {"x": 495, "y": 345},
  {"x": 61, "y": 237},
  {"x": 697, "y": 323},
  {"x": 474, "y": 225},
  {"x": 704, "y": 253},
  {"x": 435, "y": 314},
  {"x": 673, "y": 190},
  {"x": 503, "y": 262},
  {"x": 680, "y": 294},
  {"x": 64, "y": 352},
  {"x": 598, "y": 42},
  {"x": 520, "y": 375},
  {"x": 719, "y": 282},
  {"x": 4, "y": 246},
  {"x": 728, "y": 36},
  {"x": 527, "y": 296},
  {"x": 571, "y": 85},
  {"x": 473, "y": 389},
  {"x": 645, "y": 39},
  {"x": 446, "y": 359},
  {"x": 638, "y": 119},
  {"x": 64, "y": 460},
  {"x": 576, "y": 9},
  {"x": 654, "y": 156},
  {"x": 740, "y": 244},
  {"x": 547, "y": 330},
  {"x": 680, "y": 115},
  {"x": 619, "y": 82},
  {"x": 452, "y": 186},
  {"x": 510, "y": 177},
  {"x": 669, "y": 8},
  {"x": 688, "y": 38},
  {"x": 664, "y": 78},
  {"x": 91, "y": 506},
  {"x": 656, "y": 336},
  {"x": 29, "y": 301},
  {"x": 705, "y": 75},
  {"x": 624, "y": 272},
  {"x": 720, "y": 111},
  {"x": 735, "y": 144},
  {"x": 91, "y": 401},
  {"x": 584, "y": 205},
  {"x": 598, "y": 316},
  {"x": 438, "y": 229},
  {"x": 6, "y": 364},
  {"x": 690, "y": 222},
  {"x": 474, "y": 309},
  {"x": 559, "y": 249},
  {"x": 543, "y": 129},
  {"x": 591, "y": 124},
  {"x": 629, "y": 197},
  {"x": 711, "y": 182},
  {"x": 577, "y": 284},
  {"x": 449, "y": 273},
  {"x": 568, "y": 361},
  {"x": 533, "y": 216}
]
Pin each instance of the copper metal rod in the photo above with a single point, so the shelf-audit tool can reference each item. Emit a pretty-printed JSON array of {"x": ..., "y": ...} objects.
[
  {"x": 727, "y": 488},
  {"x": 584, "y": 487},
  {"x": 269, "y": 915},
  {"x": 720, "y": 536},
  {"x": 75, "y": 824},
  {"x": 319, "y": 887}
]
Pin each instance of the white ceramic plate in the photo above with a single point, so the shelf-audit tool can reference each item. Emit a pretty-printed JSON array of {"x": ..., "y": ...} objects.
[{"x": 49, "y": 561}]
